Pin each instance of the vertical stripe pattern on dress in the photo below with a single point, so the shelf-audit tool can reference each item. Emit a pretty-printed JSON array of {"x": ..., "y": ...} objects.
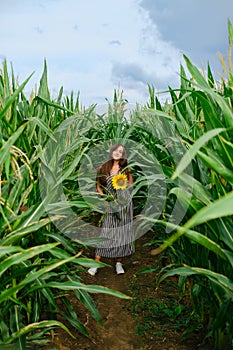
[{"x": 117, "y": 226}]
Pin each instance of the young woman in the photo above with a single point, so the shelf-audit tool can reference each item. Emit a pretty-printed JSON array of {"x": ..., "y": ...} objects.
[{"x": 114, "y": 180}]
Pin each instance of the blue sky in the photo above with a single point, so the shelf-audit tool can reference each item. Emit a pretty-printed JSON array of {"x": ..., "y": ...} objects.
[{"x": 95, "y": 46}]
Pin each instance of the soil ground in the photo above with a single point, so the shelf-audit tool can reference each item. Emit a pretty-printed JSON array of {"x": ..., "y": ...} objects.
[{"x": 128, "y": 324}]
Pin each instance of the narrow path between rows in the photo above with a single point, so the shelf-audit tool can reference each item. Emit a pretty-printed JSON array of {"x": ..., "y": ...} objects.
[{"x": 119, "y": 326}]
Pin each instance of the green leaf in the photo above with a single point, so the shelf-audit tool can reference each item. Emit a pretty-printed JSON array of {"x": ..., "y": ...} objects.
[
  {"x": 219, "y": 208},
  {"x": 217, "y": 278},
  {"x": 43, "y": 88},
  {"x": 53, "y": 104},
  {"x": 87, "y": 301},
  {"x": 9, "y": 250},
  {"x": 196, "y": 74},
  {"x": 37, "y": 325},
  {"x": 14, "y": 236},
  {"x": 24, "y": 255},
  {"x": 230, "y": 32},
  {"x": 86, "y": 262},
  {"x": 13, "y": 97},
  {"x": 208, "y": 243},
  {"x": 89, "y": 288},
  {"x": 32, "y": 277},
  {"x": 191, "y": 234},
  {"x": 191, "y": 153},
  {"x": 43, "y": 126},
  {"x": 214, "y": 162},
  {"x": 5, "y": 150},
  {"x": 71, "y": 316}
]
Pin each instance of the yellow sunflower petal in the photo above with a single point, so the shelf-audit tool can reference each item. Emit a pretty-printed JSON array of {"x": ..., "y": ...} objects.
[{"x": 119, "y": 182}]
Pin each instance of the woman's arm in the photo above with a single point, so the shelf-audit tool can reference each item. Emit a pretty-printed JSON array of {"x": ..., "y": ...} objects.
[
  {"x": 130, "y": 177},
  {"x": 99, "y": 188}
]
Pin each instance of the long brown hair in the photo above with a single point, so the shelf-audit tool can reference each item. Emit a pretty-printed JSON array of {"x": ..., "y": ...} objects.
[{"x": 105, "y": 168}]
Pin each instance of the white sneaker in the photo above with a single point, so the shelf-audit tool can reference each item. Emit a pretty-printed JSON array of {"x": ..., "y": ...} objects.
[
  {"x": 119, "y": 268},
  {"x": 92, "y": 271}
]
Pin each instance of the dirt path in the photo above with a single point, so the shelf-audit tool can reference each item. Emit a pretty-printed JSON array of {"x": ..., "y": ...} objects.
[
  {"x": 119, "y": 330},
  {"x": 119, "y": 327}
]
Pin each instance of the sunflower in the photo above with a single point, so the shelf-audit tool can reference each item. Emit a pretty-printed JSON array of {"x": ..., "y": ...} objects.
[{"x": 119, "y": 182}]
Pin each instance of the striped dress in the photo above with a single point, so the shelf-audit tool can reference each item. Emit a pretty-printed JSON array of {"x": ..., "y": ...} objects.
[{"x": 117, "y": 226}]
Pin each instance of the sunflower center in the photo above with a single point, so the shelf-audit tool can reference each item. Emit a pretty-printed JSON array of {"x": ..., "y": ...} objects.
[{"x": 121, "y": 182}]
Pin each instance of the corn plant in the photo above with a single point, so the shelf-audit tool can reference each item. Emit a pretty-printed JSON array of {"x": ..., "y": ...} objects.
[
  {"x": 202, "y": 241},
  {"x": 180, "y": 157},
  {"x": 39, "y": 266}
]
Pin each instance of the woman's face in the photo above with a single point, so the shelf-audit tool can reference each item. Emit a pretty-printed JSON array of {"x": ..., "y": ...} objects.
[{"x": 117, "y": 153}]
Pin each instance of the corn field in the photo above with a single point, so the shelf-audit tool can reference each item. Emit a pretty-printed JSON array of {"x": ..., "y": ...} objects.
[{"x": 47, "y": 197}]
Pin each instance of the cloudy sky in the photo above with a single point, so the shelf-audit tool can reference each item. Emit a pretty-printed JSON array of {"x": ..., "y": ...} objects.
[{"x": 96, "y": 46}]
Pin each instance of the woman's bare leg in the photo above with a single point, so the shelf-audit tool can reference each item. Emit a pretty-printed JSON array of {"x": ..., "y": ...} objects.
[
  {"x": 119, "y": 268},
  {"x": 119, "y": 260},
  {"x": 92, "y": 271}
]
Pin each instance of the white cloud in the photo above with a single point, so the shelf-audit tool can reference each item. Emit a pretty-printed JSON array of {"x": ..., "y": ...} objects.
[
  {"x": 92, "y": 46},
  {"x": 197, "y": 27}
]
